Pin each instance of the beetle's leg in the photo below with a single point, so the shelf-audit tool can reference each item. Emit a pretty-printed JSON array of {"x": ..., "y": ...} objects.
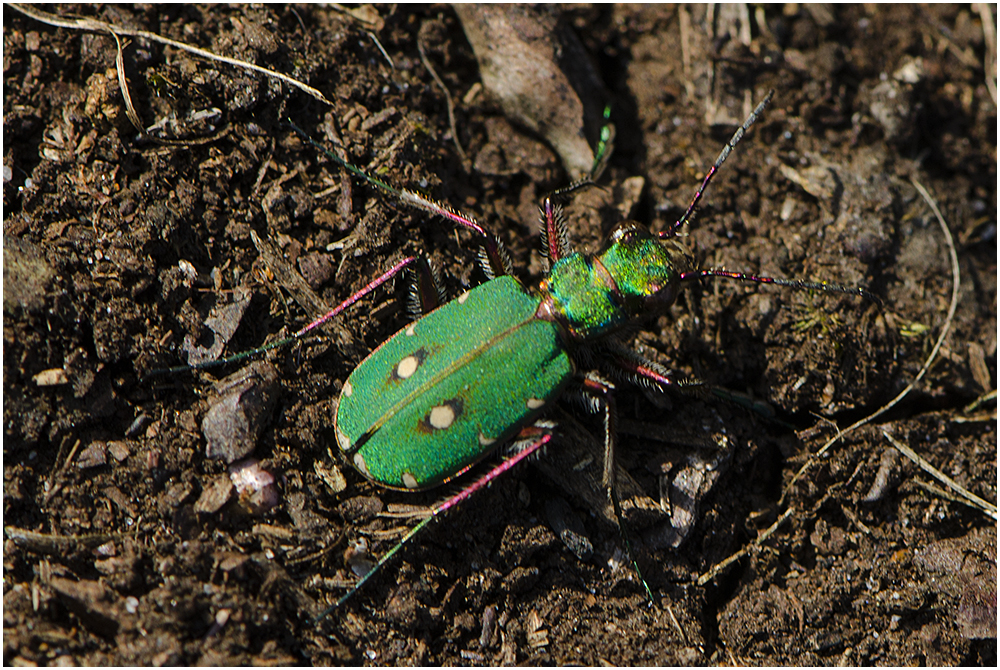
[
  {"x": 426, "y": 293},
  {"x": 555, "y": 239},
  {"x": 601, "y": 392},
  {"x": 640, "y": 371},
  {"x": 371, "y": 286},
  {"x": 496, "y": 261},
  {"x": 493, "y": 255},
  {"x": 531, "y": 439}
]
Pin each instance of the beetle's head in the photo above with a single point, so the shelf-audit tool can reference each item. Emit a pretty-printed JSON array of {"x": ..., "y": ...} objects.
[{"x": 646, "y": 270}]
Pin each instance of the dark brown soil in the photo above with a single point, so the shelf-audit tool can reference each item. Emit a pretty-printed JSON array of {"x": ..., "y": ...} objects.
[{"x": 125, "y": 543}]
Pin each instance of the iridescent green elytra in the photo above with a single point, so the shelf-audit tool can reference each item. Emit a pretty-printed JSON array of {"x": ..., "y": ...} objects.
[{"x": 451, "y": 387}]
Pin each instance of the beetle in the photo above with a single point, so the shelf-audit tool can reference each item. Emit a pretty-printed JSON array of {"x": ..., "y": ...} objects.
[{"x": 479, "y": 372}]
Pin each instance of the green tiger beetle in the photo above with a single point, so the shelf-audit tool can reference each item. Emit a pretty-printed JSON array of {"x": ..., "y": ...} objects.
[{"x": 476, "y": 374}]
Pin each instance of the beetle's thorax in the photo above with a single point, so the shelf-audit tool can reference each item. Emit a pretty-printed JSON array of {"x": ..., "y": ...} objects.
[{"x": 591, "y": 296}]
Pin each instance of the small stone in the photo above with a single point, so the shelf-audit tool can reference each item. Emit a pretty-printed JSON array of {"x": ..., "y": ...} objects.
[
  {"x": 239, "y": 412},
  {"x": 94, "y": 455},
  {"x": 214, "y": 496},
  {"x": 51, "y": 377}
]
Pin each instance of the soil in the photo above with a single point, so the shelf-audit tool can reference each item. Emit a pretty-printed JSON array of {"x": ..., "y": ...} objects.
[{"x": 126, "y": 543}]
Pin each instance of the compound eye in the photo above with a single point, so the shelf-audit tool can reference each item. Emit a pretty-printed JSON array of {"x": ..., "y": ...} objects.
[
  {"x": 658, "y": 301},
  {"x": 628, "y": 231}
]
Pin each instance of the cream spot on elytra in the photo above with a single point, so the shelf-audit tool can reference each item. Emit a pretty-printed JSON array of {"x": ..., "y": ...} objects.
[
  {"x": 359, "y": 463},
  {"x": 407, "y": 367},
  {"x": 442, "y": 417},
  {"x": 343, "y": 441}
]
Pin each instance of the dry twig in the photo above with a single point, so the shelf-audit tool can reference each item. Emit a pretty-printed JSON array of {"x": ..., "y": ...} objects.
[
  {"x": 447, "y": 95},
  {"x": 990, "y": 36},
  {"x": 964, "y": 495},
  {"x": 98, "y": 26}
]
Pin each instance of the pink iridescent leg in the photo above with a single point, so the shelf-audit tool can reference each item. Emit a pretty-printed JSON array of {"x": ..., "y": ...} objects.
[
  {"x": 538, "y": 441},
  {"x": 496, "y": 259},
  {"x": 371, "y": 286}
]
